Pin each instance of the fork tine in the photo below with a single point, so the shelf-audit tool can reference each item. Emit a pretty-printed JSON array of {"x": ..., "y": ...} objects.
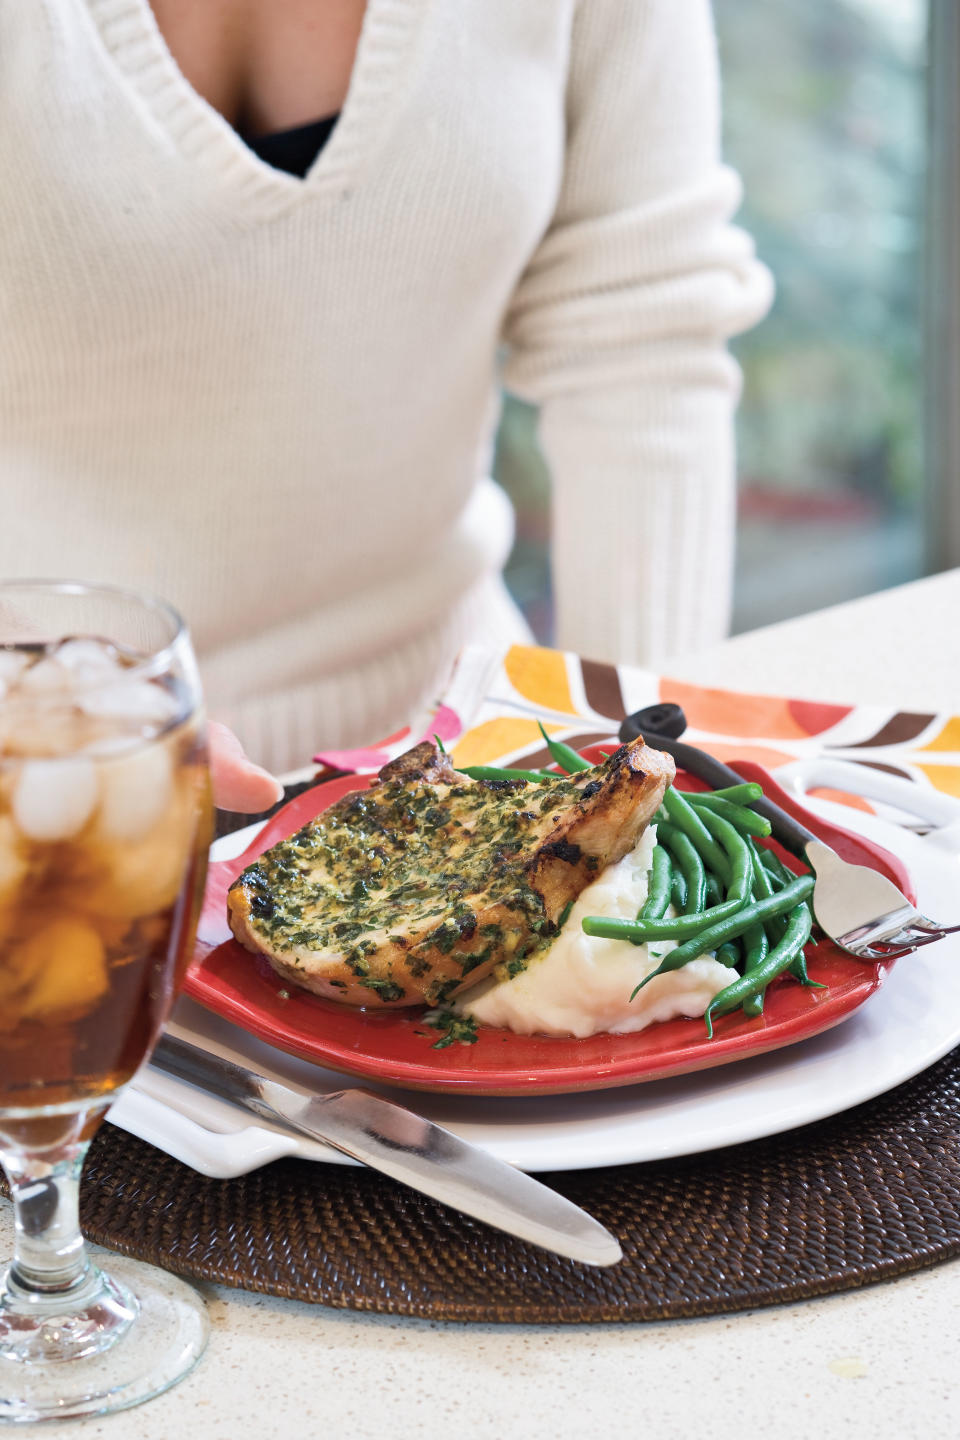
[
  {"x": 905, "y": 941},
  {"x": 891, "y": 947},
  {"x": 880, "y": 951},
  {"x": 923, "y": 922}
]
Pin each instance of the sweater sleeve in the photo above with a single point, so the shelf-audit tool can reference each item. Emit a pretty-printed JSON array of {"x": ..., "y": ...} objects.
[{"x": 617, "y": 332}]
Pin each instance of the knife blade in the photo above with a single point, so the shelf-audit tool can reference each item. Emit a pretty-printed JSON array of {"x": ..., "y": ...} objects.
[{"x": 405, "y": 1146}]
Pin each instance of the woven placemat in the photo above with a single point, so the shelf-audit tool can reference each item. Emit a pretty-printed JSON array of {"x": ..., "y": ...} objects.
[{"x": 870, "y": 1194}]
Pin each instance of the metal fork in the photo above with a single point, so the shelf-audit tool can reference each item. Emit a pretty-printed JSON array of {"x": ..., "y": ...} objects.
[{"x": 858, "y": 908}]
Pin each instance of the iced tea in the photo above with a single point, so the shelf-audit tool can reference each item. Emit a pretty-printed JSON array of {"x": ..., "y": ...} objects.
[{"x": 104, "y": 827}]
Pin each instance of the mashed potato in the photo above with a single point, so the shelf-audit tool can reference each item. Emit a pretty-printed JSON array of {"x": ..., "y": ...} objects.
[{"x": 581, "y": 985}]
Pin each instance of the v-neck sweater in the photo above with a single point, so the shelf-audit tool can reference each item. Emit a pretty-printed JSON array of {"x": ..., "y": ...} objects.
[
  {"x": 294, "y": 150},
  {"x": 273, "y": 399}
]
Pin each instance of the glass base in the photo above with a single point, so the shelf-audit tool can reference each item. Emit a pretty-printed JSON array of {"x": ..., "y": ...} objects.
[{"x": 139, "y": 1331}]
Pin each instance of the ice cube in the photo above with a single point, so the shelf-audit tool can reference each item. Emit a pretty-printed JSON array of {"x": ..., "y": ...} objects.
[
  {"x": 88, "y": 661},
  {"x": 137, "y": 702},
  {"x": 135, "y": 791},
  {"x": 87, "y": 655},
  {"x": 111, "y": 746},
  {"x": 137, "y": 880},
  {"x": 145, "y": 877},
  {"x": 42, "y": 730},
  {"x": 72, "y": 969},
  {"x": 54, "y": 799},
  {"x": 46, "y": 677}
]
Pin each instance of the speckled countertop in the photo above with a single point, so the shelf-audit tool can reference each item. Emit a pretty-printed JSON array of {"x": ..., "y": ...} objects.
[{"x": 878, "y": 1362}]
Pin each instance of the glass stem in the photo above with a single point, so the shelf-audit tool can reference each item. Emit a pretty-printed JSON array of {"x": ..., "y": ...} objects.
[{"x": 50, "y": 1257}]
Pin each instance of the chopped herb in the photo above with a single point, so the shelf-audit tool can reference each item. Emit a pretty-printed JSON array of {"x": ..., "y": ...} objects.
[
  {"x": 440, "y": 990},
  {"x": 444, "y": 937},
  {"x": 459, "y": 1028},
  {"x": 386, "y": 989}
]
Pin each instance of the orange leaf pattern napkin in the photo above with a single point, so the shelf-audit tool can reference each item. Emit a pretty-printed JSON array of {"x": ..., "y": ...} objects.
[{"x": 489, "y": 715}]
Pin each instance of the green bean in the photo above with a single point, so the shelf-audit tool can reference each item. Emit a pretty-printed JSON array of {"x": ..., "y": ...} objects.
[
  {"x": 738, "y": 868},
  {"x": 762, "y": 879},
  {"x": 638, "y": 932},
  {"x": 658, "y": 889},
  {"x": 743, "y": 794},
  {"x": 779, "y": 959},
  {"x": 692, "y": 872},
  {"x": 764, "y": 874},
  {"x": 756, "y": 947},
  {"x": 494, "y": 772},
  {"x": 799, "y": 971},
  {"x": 681, "y": 927},
  {"x": 738, "y": 854},
  {"x": 565, "y": 755},
  {"x": 771, "y": 860},
  {"x": 730, "y": 926},
  {"x": 728, "y": 954},
  {"x": 714, "y": 892},
  {"x": 739, "y": 816},
  {"x": 679, "y": 893},
  {"x": 682, "y": 814},
  {"x": 763, "y": 887},
  {"x": 770, "y": 873}
]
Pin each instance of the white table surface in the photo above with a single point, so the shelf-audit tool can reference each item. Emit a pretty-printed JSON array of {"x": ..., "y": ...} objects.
[{"x": 879, "y": 1362}]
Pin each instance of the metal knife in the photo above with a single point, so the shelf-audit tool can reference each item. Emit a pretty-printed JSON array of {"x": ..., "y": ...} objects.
[{"x": 405, "y": 1146}]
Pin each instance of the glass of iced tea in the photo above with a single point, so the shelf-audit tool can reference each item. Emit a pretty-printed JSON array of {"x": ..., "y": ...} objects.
[{"x": 104, "y": 827}]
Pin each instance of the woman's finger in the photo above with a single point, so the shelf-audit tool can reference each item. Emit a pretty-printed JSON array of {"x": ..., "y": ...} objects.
[{"x": 238, "y": 784}]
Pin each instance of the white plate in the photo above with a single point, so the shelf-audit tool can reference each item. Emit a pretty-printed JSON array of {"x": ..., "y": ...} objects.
[{"x": 910, "y": 1023}]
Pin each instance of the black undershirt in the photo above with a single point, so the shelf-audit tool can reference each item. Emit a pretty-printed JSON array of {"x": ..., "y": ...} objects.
[{"x": 292, "y": 150}]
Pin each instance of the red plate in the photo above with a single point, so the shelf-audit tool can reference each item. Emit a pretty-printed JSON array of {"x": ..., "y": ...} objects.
[{"x": 395, "y": 1046}]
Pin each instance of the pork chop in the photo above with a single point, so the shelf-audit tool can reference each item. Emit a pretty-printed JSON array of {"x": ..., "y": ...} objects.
[{"x": 412, "y": 891}]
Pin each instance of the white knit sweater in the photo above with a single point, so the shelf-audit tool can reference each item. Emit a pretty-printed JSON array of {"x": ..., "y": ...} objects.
[{"x": 273, "y": 399}]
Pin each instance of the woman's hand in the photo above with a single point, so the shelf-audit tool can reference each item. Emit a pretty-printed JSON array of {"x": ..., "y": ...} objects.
[{"x": 238, "y": 784}]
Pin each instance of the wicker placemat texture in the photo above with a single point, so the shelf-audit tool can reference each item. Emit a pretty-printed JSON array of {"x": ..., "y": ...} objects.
[{"x": 868, "y": 1195}]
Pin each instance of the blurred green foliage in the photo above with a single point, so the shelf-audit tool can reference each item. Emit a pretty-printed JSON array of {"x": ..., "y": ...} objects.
[{"x": 824, "y": 117}]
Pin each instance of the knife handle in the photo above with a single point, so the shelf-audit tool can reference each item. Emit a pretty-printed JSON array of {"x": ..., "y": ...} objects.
[{"x": 791, "y": 834}]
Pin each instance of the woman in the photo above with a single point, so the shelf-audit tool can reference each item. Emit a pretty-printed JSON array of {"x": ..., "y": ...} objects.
[{"x": 272, "y": 396}]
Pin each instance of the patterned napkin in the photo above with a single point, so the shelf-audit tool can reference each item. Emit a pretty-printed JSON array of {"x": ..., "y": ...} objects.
[{"x": 489, "y": 715}]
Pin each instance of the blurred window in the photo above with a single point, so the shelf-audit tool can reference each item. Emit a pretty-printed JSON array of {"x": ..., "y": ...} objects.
[
  {"x": 824, "y": 105},
  {"x": 824, "y": 117}
]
